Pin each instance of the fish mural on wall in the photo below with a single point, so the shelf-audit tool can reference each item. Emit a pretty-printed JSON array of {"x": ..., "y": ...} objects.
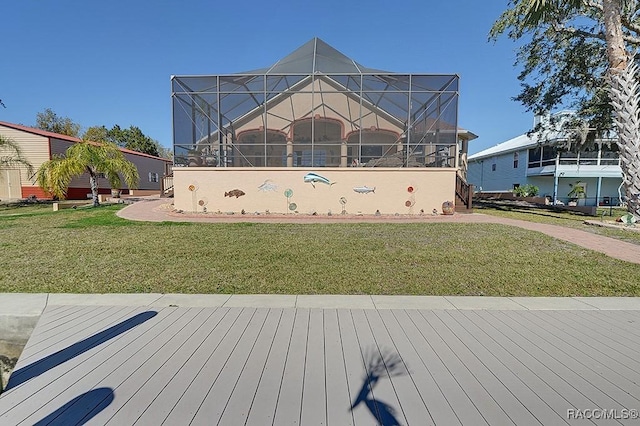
[
  {"x": 234, "y": 193},
  {"x": 268, "y": 186},
  {"x": 364, "y": 189},
  {"x": 314, "y": 178}
]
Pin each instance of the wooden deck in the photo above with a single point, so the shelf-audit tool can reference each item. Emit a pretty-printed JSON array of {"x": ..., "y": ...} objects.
[{"x": 248, "y": 366}]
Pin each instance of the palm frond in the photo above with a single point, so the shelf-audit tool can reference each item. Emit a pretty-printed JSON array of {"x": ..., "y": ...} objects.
[
  {"x": 11, "y": 155},
  {"x": 56, "y": 175}
]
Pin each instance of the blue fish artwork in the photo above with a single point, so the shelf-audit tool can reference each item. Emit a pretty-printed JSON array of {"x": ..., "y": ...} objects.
[
  {"x": 364, "y": 189},
  {"x": 313, "y": 178}
]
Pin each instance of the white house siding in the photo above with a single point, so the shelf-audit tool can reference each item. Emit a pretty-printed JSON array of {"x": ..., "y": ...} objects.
[{"x": 503, "y": 178}]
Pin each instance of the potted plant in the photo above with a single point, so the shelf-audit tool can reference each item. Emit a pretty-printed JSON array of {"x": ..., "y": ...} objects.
[{"x": 577, "y": 195}]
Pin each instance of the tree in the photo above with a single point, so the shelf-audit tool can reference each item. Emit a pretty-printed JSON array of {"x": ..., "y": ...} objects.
[
  {"x": 96, "y": 133},
  {"x": 577, "y": 55},
  {"x": 51, "y": 122},
  {"x": 11, "y": 155},
  {"x": 55, "y": 175},
  {"x": 131, "y": 138}
]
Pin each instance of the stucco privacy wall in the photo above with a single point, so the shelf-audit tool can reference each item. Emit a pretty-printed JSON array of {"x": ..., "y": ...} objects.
[{"x": 265, "y": 188}]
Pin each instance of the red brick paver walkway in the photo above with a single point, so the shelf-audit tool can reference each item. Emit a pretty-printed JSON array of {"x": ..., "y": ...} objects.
[{"x": 159, "y": 210}]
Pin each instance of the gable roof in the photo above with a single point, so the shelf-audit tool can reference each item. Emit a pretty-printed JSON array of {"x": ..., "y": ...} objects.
[
  {"x": 313, "y": 57},
  {"x": 516, "y": 144},
  {"x": 67, "y": 138}
]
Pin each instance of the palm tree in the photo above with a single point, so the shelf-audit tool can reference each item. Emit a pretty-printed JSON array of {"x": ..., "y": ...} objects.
[
  {"x": 623, "y": 81},
  {"x": 11, "y": 155},
  {"x": 55, "y": 175}
]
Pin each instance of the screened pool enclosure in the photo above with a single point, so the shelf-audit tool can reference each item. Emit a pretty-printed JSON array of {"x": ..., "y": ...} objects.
[{"x": 315, "y": 108}]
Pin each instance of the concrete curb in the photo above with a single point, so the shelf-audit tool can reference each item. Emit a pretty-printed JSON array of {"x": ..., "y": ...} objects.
[{"x": 19, "y": 312}]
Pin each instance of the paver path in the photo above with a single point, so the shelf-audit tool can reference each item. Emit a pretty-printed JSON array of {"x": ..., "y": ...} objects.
[{"x": 158, "y": 210}]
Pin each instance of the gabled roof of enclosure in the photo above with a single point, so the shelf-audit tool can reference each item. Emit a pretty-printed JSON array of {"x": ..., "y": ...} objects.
[{"x": 314, "y": 57}]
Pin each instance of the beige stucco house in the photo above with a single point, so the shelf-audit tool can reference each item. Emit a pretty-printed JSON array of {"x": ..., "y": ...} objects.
[
  {"x": 38, "y": 146},
  {"x": 318, "y": 132}
]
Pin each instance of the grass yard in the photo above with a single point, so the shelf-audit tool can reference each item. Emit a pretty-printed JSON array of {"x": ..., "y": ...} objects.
[
  {"x": 562, "y": 218},
  {"x": 94, "y": 251}
]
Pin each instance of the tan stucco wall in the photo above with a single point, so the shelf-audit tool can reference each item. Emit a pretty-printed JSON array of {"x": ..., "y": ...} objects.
[{"x": 431, "y": 187}]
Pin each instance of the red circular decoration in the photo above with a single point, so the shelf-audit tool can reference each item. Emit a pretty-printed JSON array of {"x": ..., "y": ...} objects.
[
  {"x": 408, "y": 203},
  {"x": 410, "y": 189}
]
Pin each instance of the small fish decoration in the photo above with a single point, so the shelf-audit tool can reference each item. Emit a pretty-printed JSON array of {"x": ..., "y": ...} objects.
[
  {"x": 364, "y": 189},
  {"x": 234, "y": 193},
  {"x": 268, "y": 186},
  {"x": 315, "y": 178}
]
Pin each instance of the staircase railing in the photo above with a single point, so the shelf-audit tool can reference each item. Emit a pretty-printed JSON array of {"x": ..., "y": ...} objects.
[
  {"x": 166, "y": 185},
  {"x": 464, "y": 191}
]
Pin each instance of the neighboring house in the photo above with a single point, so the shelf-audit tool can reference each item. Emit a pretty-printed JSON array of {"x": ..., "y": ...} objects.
[
  {"x": 379, "y": 141},
  {"x": 527, "y": 159},
  {"x": 39, "y": 146}
]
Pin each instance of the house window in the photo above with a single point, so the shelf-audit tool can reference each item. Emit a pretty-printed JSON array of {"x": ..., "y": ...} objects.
[
  {"x": 493, "y": 167},
  {"x": 153, "y": 177},
  {"x": 515, "y": 160}
]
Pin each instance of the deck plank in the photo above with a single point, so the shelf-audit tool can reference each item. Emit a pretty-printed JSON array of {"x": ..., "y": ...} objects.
[
  {"x": 356, "y": 373},
  {"x": 496, "y": 361},
  {"x": 273, "y": 366},
  {"x": 511, "y": 407},
  {"x": 222, "y": 387},
  {"x": 50, "y": 316},
  {"x": 127, "y": 380},
  {"x": 191, "y": 401},
  {"x": 558, "y": 363},
  {"x": 115, "y": 369},
  {"x": 399, "y": 373},
  {"x": 592, "y": 329},
  {"x": 289, "y": 403},
  {"x": 47, "y": 331},
  {"x": 614, "y": 322},
  {"x": 263, "y": 404},
  {"x": 314, "y": 393},
  {"x": 85, "y": 322},
  {"x": 29, "y": 380},
  {"x": 489, "y": 410},
  {"x": 239, "y": 404},
  {"x": 582, "y": 360},
  {"x": 162, "y": 405},
  {"x": 533, "y": 374},
  {"x": 382, "y": 394},
  {"x": 438, "y": 409},
  {"x": 338, "y": 398},
  {"x": 143, "y": 392},
  {"x": 59, "y": 384},
  {"x": 458, "y": 400}
]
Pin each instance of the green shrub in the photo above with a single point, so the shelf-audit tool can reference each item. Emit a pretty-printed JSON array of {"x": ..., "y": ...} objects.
[{"x": 526, "y": 191}]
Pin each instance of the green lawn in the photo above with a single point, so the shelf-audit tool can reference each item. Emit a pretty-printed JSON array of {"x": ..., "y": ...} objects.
[
  {"x": 92, "y": 250},
  {"x": 562, "y": 218}
]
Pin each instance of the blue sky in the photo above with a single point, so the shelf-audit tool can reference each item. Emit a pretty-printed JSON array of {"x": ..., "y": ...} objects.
[{"x": 110, "y": 62}]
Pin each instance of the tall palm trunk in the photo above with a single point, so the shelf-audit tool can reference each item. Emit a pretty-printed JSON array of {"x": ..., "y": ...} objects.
[
  {"x": 623, "y": 75},
  {"x": 625, "y": 100},
  {"x": 93, "y": 182}
]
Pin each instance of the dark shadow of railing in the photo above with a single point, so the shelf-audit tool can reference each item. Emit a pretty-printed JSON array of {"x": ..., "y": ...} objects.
[
  {"x": 80, "y": 409},
  {"x": 42, "y": 365},
  {"x": 379, "y": 365}
]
